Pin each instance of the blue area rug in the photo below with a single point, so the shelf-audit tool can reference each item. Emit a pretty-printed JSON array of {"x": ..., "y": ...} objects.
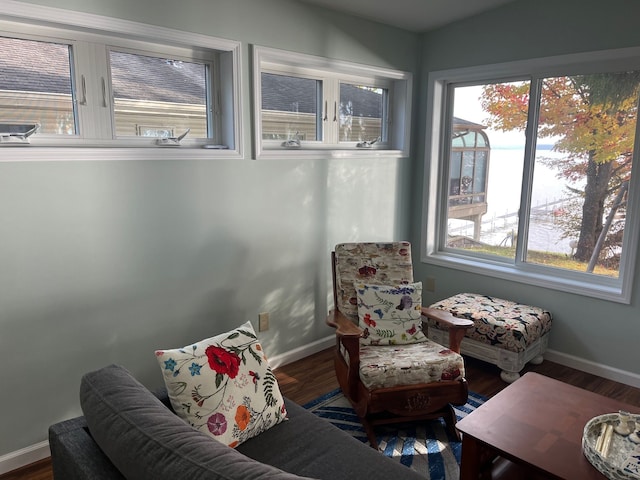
[{"x": 422, "y": 446}]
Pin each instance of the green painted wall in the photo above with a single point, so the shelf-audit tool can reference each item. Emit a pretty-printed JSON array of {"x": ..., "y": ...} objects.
[
  {"x": 105, "y": 261},
  {"x": 596, "y": 331}
]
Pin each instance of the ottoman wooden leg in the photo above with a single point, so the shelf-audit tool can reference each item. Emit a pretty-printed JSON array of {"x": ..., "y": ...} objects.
[
  {"x": 537, "y": 360},
  {"x": 509, "y": 377}
]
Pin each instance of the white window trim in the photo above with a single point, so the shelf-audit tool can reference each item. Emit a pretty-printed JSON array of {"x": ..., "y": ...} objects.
[
  {"x": 615, "y": 290},
  {"x": 118, "y": 32},
  {"x": 285, "y": 62}
]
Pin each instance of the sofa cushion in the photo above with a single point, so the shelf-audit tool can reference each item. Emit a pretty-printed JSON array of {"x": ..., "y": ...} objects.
[
  {"x": 309, "y": 445},
  {"x": 223, "y": 386},
  {"x": 390, "y": 314},
  {"x": 145, "y": 440}
]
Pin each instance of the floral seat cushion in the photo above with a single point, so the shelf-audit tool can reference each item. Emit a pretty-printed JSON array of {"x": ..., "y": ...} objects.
[
  {"x": 426, "y": 362},
  {"x": 502, "y": 323}
]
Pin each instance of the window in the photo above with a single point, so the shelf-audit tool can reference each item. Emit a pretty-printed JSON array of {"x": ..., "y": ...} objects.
[
  {"x": 539, "y": 184},
  {"x": 320, "y": 107},
  {"x": 28, "y": 96},
  {"x": 364, "y": 113},
  {"x": 125, "y": 85},
  {"x": 172, "y": 100},
  {"x": 291, "y": 107}
]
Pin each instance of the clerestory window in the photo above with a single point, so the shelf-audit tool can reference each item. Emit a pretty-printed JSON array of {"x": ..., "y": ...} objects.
[
  {"x": 530, "y": 173},
  {"x": 319, "y": 107},
  {"x": 128, "y": 85}
]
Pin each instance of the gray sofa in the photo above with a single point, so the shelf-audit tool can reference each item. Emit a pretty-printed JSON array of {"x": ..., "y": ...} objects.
[{"x": 127, "y": 432}]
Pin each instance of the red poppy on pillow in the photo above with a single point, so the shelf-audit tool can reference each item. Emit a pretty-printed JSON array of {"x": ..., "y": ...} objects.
[{"x": 223, "y": 361}]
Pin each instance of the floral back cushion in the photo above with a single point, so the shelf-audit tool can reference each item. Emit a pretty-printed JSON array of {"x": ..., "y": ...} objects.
[
  {"x": 390, "y": 315},
  {"x": 223, "y": 386},
  {"x": 371, "y": 263}
]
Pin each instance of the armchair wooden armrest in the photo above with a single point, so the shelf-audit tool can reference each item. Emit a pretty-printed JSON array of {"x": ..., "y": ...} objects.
[
  {"x": 457, "y": 327},
  {"x": 343, "y": 325}
]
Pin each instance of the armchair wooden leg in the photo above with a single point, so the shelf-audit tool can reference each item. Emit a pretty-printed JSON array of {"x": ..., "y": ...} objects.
[
  {"x": 371, "y": 434},
  {"x": 450, "y": 420}
]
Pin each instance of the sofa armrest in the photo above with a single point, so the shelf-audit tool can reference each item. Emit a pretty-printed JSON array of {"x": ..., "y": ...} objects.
[{"x": 76, "y": 456}]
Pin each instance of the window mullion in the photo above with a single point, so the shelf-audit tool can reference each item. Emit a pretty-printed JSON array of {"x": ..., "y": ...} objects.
[
  {"x": 93, "y": 91},
  {"x": 527, "y": 173},
  {"x": 332, "y": 100}
]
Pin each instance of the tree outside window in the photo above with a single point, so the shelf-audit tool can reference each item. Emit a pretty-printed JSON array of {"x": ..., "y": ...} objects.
[{"x": 562, "y": 201}]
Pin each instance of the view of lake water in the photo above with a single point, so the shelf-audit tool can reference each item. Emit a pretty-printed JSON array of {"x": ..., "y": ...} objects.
[{"x": 503, "y": 198}]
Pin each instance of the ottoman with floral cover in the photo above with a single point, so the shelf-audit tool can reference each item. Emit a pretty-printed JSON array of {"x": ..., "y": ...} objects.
[{"x": 505, "y": 333}]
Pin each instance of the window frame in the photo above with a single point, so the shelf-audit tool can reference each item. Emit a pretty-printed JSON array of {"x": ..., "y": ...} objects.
[
  {"x": 435, "y": 189},
  {"x": 332, "y": 73},
  {"x": 92, "y": 37}
]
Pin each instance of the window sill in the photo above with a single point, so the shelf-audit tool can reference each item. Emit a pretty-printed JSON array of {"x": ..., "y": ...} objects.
[
  {"x": 322, "y": 153},
  {"x": 84, "y": 153},
  {"x": 595, "y": 287}
]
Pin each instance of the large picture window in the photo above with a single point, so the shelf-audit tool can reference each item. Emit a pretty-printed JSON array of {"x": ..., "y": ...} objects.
[{"x": 539, "y": 183}]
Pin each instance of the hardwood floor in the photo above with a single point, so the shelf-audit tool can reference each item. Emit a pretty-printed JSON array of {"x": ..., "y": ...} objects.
[{"x": 306, "y": 379}]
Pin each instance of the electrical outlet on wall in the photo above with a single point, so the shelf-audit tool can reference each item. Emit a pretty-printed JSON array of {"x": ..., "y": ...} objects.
[
  {"x": 263, "y": 321},
  {"x": 430, "y": 284}
]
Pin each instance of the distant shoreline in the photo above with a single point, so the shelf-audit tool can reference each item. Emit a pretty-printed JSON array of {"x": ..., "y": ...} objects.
[{"x": 539, "y": 146}]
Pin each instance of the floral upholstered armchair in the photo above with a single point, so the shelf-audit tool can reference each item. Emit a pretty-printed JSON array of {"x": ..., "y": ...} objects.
[{"x": 385, "y": 365}]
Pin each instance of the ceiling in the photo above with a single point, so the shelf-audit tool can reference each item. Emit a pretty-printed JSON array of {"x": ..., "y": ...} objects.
[{"x": 413, "y": 15}]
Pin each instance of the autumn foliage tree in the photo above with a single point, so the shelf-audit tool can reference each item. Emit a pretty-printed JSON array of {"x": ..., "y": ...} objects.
[{"x": 592, "y": 119}]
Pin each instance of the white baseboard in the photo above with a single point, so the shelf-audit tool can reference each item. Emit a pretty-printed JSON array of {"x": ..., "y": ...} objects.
[
  {"x": 301, "y": 352},
  {"x": 610, "y": 373},
  {"x": 24, "y": 456}
]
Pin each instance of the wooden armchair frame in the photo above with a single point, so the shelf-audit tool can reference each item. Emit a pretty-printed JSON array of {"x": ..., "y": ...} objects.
[{"x": 400, "y": 403}]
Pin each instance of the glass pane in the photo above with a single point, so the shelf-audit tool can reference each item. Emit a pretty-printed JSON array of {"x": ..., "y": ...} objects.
[
  {"x": 35, "y": 85},
  {"x": 480, "y": 172},
  {"x": 582, "y": 169},
  {"x": 158, "y": 97},
  {"x": 484, "y": 199},
  {"x": 454, "y": 177},
  {"x": 469, "y": 140},
  {"x": 290, "y": 108},
  {"x": 482, "y": 140},
  {"x": 361, "y": 113}
]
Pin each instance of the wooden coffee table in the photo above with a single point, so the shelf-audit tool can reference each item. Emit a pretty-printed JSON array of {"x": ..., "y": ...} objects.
[{"x": 536, "y": 425}]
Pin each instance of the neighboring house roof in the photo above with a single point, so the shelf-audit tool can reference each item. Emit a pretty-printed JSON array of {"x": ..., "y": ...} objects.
[
  {"x": 44, "y": 67},
  {"x": 460, "y": 123},
  {"x": 31, "y": 66},
  {"x": 40, "y": 67},
  {"x": 157, "y": 79},
  {"x": 293, "y": 94}
]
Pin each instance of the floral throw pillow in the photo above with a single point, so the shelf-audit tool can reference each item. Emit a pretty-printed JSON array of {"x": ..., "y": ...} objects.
[
  {"x": 223, "y": 386},
  {"x": 390, "y": 315}
]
